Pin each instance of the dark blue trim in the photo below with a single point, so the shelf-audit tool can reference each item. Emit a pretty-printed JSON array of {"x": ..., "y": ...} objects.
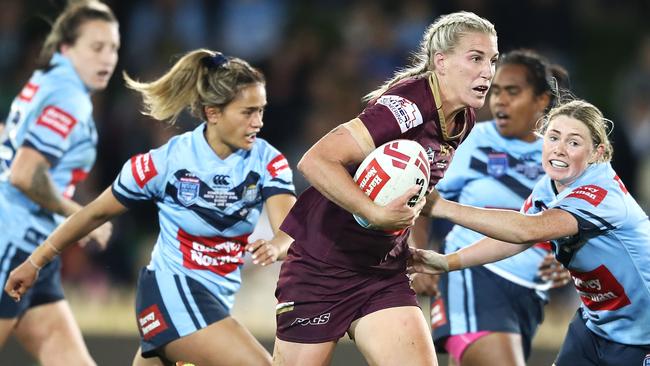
[
  {"x": 53, "y": 160},
  {"x": 128, "y": 191},
  {"x": 272, "y": 191},
  {"x": 179, "y": 287},
  {"x": 125, "y": 201},
  {"x": 31, "y": 135},
  {"x": 602, "y": 221},
  {"x": 508, "y": 181}
]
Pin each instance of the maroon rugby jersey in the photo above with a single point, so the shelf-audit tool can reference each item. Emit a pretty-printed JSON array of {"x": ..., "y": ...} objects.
[{"x": 328, "y": 233}]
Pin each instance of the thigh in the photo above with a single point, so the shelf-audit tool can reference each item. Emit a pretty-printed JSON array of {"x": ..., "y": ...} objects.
[
  {"x": 50, "y": 333},
  {"x": 299, "y": 354},
  {"x": 495, "y": 349},
  {"x": 395, "y": 336},
  {"x": 6, "y": 327},
  {"x": 225, "y": 342}
]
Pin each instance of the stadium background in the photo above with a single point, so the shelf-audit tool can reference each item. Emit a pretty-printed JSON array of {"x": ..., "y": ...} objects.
[{"x": 320, "y": 57}]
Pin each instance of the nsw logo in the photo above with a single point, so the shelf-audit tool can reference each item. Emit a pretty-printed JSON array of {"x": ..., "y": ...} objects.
[
  {"x": 497, "y": 164},
  {"x": 188, "y": 190}
]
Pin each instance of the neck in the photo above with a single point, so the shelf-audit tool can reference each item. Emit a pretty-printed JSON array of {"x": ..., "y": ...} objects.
[{"x": 219, "y": 147}]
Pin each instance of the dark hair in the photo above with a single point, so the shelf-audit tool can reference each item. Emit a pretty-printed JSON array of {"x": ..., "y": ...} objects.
[
  {"x": 201, "y": 78},
  {"x": 542, "y": 75},
  {"x": 65, "y": 29}
]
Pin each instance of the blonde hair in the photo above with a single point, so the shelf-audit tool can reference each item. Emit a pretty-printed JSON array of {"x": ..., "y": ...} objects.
[
  {"x": 585, "y": 112},
  {"x": 441, "y": 36},
  {"x": 201, "y": 78},
  {"x": 65, "y": 29}
]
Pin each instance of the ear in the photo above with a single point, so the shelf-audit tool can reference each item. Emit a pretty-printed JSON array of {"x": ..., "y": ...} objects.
[
  {"x": 440, "y": 62},
  {"x": 212, "y": 114},
  {"x": 542, "y": 101},
  {"x": 64, "y": 48},
  {"x": 598, "y": 152}
]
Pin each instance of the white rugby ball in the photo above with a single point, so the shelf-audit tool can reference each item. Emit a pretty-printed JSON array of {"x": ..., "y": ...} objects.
[{"x": 390, "y": 170}]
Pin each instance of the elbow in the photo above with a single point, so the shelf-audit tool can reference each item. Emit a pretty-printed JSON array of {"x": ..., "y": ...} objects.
[
  {"x": 527, "y": 235},
  {"x": 20, "y": 181},
  {"x": 306, "y": 165}
]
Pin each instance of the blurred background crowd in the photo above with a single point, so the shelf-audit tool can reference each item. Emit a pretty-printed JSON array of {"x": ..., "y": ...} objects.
[{"x": 320, "y": 57}]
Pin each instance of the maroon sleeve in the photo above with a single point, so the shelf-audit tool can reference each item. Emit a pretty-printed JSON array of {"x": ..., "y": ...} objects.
[{"x": 401, "y": 108}]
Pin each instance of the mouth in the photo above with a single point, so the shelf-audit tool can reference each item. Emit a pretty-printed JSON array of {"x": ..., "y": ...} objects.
[
  {"x": 250, "y": 137},
  {"x": 481, "y": 90},
  {"x": 558, "y": 164},
  {"x": 103, "y": 74}
]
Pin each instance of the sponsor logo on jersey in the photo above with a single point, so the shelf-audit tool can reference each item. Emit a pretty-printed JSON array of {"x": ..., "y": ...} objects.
[
  {"x": 599, "y": 289},
  {"x": 143, "y": 169},
  {"x": 318, "y": 320},
  {"x": 438, "y": 314},
  {"x": 28, "y": 92},
  {"x": 406, "y": 113},
  {"x": 188, "y": 190},
  {"x": 151, "y": 322},
  {"x": 221, "y": 180},
  {"x": 57, "y": 120},
  {"x": 277, "y": 166},
  {"x": 216, "y": 254},
  {"x": 373, "y": 179},
  {"x": 590, "y": 193},
  {"x": 497, "y": 164}
]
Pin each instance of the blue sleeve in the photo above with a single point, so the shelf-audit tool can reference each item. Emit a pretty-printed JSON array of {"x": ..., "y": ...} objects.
[
  {"x": 458, "y": 173},
  {"x": 598, "y": 208},
  {"x": 278, "y": 176},
  {"x": 142, "y": 178},
  {"x": 59, "y": 114}
]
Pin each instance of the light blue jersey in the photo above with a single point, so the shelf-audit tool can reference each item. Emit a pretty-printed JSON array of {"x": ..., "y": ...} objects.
[
  {"x": 53, "y": 115},
  {"x": 609, "y": 258},
  {"x": 207, "y": 207},
  {"x": 492, "y": 171}
]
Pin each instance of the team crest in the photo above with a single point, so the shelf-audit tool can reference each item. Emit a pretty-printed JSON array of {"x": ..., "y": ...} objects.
[
  {"x": 188, "y": 190},
  {"x": 445, "y": 150},
  {"x": 250, "y": 193},
  {"x": 646, "y": 360},
  {"x": 497, "y": 164}
]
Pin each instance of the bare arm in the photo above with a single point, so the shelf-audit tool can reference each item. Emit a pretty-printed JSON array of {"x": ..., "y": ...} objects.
[
  {"x": 324, "y": 166},
  {"x": 506, "y": 225},
  {"x": 29, "y": 173},
  {"x": 266, "y": 252},
  {"x": 486, "y": 250},
  {"x": 102, "y": 209}
]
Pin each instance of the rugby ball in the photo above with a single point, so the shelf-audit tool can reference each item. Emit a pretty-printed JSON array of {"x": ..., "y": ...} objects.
[{"x": 390, "y": 170}]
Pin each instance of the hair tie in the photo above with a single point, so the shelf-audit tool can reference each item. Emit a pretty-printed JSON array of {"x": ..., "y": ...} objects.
[{"x": 216, "y": 61}]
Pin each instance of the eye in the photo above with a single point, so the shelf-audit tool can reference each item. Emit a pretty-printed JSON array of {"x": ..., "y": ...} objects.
[{"x": 476, "y": 58}]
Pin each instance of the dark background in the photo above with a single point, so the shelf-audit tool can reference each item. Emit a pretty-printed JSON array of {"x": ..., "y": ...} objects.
[{"x": 320, "y": 58}]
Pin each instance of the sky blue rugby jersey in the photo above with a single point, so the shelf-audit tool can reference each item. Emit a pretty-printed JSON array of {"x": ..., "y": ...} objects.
[
  {"x": 492, "y": 171},
  {"x": 53, "y": 115},
  {"x": 207, "y": 207},
  {"x": 610, "y": 257}
]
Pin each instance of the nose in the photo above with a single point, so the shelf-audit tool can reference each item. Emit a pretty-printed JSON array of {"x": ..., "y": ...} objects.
[
  {"x": 257, "y": 121},
  {"x": 489, "y": 70}
]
